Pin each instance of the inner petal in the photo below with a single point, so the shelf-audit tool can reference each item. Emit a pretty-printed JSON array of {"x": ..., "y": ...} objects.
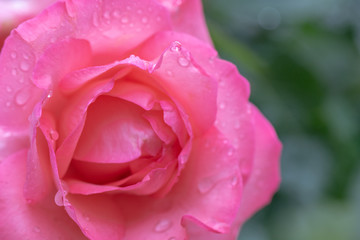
[{"x": 116, "y": 132}]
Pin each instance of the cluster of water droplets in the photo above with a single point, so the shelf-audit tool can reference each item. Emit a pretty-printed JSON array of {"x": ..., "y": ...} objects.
[
  {"x": 23, "y": 94},
  {"x": 131, "y": 18}
]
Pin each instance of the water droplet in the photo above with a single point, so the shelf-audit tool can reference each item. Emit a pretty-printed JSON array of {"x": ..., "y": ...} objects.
[
  {"x": 106, "y": 15},
  {"x": 116, "y": 14},
  {"x": 21, "y": 80},
  {"x": 139, "y": 11},
  {"x": 158, "y": 19},
  {"x": 170, "y": 73},
  {"x": 36, "y": 229},
  {"x": 184, "y": 62},
  {"x": 53, "y": 39},
  {"x": 144, "y": 20},
  {"x": 237, "y": 125},
  {"x": 87, "y": 218},
  {"x": 54, "y": 135},
  {"x": 13, "y": 55},
  {"x": 8, "y": 89},
  {"x": 14, "y": 72},
  {"x": 172, "y": 238},
  {"x": 24, "y": 66},
  {"x": 124, "y": 20},
  {"x": 234, "y": 181},
  {"x": 26, "y": 56},
  {"x": 162, "y": 226},
  {"x": 128, "y": 8},
  {"x": 59, "y": 200},
  {"x": 22, "y": 96},
  {"x": 230, "y": 152},
  {"x": 29, "y": 201},
  {"x": 222, "y": 105},
  {"x": 206, "y": 184},
  {"x": 8, "y": 104},
  {"x": 175, "y": 46}
]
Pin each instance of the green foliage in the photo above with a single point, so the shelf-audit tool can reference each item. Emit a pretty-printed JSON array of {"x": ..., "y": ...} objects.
[{"x": 302, "y": 60}]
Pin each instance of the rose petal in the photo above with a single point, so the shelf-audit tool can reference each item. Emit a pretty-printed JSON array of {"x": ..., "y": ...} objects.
[
  {"x": 265, "y": 176},
  {"x": 59, "y": 59},
  {"x": 114, "y": 27},
  {"x": 175, "y": 73},
  {"x": 209, "y": 190},
  {"x": 190, "y": 19},
  {"x": 72, "y": 121},
  {"x": 116, "y": 132},
  {"x": 20, "y": 220},
  {"x": 18, "y": 95},
  {"x": 97, "y": 216}
]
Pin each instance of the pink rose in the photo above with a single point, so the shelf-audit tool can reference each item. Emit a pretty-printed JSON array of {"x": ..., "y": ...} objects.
[
  {"x": 119, "y": 121},
  {"x": 13, "y": 12}
]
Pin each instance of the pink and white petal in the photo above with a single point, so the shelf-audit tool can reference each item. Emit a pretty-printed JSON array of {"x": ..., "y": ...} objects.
[
  {"x": 98, "y": 216},
  {"x": 265, "y": 176},
  {"x": 59, "y": 59},
  {"x": 18, "y": 95},
  {"x": 20, "y": 220},
  {"x": 175, "y": 73}
]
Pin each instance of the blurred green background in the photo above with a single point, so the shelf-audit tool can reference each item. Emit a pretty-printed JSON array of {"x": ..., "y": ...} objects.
[{"x": 302, "y": 59}]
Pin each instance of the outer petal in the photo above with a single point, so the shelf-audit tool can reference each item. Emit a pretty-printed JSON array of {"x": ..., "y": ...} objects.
[
  {"x": 17, "y": 93},
  {"x": 190, "y": 19},
  {"x": 265, "y": 176},
  {"x": 19, "y": 220}
]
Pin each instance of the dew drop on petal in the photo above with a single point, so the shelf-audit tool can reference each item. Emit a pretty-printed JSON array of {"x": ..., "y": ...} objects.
[
  {"x": 8, "y": 89},
  {"x": 36, "y": 229},
  {"x": 172, "y": 238},
  {"x": 13, "y": 55},
  {"x": 205, "y": 185},
  {"x": 144, "y": 20},
  {"x": 170, "y": 73},
  {"x": 24, "y": 66},
  {"x": 222, "y": 105},
  {"x": 234, "y": 181},
  {"x": 59, "y": 199},
  {"x": 8, "y": 104},
  {"x": 162, "y": 226},
  {"x": 230, "y": 152},
  {"x": 183, "y": 62},
  {"x": 175, "y": 46},
  {"x": 26, "y": 56},
  {"x": 106, "y": 15},
  {"x": 54, "y": 135},
  {"x": 124, "y": 20},
  {"x": 14, "y": 72},
  {"x": 22, "y": 96},
  {"x": 116, "y": 14}
]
